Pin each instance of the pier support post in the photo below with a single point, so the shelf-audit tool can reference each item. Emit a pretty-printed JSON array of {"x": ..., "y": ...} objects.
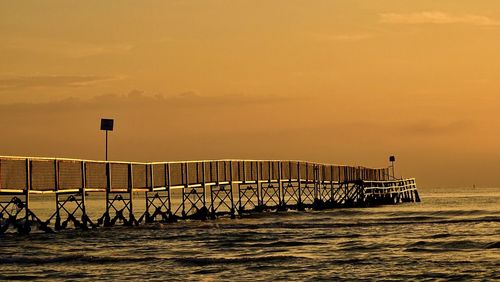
[
  {"x": 221, "y": 196},
  {"x": 193, "y": 203},
  {"x": 248, "y": 197},
  {"x": 69, "y": 204},
  {"x": 270, "y": 195},
  {"x": 11, "y": 208},
  {"x": 158, "y": 202},
  {"x": 291, "y": 195},
  {"x": 118, "y": 203}
]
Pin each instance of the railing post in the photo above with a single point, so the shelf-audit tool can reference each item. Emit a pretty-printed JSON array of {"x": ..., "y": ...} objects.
[
  {"x": 26, "y": 228},
  {"x": 231, "y": 187},
  {"x": 108, "y": 191},
  {"x": 56, "y": 188},
  {"x": 85, "y": 219},
  {"x": 149, "y": 174},
  {"x": 299, "y": 188},
  {"x": 239, "y": 187},
  {"x": 184, "y": 178},
  {"x": 260, "y": 199},
  {"x": 280, "y": 192},
  {"x": 203, "y": 182},
  {"x": 167, "y": 185},
  {"x": 130, "y": 192}
]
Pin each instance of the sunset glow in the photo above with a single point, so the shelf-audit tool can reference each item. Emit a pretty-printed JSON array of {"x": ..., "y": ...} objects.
[{"x": 347, "y": 82}]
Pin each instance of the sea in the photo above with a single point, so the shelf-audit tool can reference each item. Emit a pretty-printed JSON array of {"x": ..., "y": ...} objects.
[{"x": 452, "y": 235}]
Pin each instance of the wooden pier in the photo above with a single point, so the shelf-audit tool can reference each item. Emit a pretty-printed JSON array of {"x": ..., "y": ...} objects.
[{"x": 201, "y": 189}]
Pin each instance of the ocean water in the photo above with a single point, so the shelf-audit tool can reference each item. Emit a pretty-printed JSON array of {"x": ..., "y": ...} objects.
[{"x": 450, "y": 235}]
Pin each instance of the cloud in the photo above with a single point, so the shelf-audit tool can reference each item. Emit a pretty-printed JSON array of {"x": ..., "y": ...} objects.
[
  {"x": 68, "y": 49},
  {"x": 84, "y": 51},
  {"x": 437, "y": 17},
  {"x": 342, "y": 37},
  {"x": 432, "y": 127},
  {"x": 137, "y": 101},
  {"x": 23, "y": 82}
]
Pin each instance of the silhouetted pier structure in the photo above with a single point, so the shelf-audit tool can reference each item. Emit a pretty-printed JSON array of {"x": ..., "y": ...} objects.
[{"x": 185, "y": 190}]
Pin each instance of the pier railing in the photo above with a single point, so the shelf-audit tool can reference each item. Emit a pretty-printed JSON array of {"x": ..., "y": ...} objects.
[
  {"x": 189, "y": 189},
  {"x": 46, "y": 175}
]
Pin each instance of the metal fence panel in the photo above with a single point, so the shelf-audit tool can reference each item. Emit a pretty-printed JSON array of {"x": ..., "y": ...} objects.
[
  {"x": 119, "y": 176},
  {"x": 177, "y": 174},
  {"x": 195, "y": 172},
  {"x": 275, "y": 170},
  {"x": 343, "y": 173},
  {"x": 238, "y": 170},
  {"x": 286, "y": 170},
  {"x": 327, "y": 172},
  {"x": 43, "y": 175},
  {"x": 310, "y": 172},
  {"x": 13, "y": 174},
  {"x": 210, "y": 172},
  {"x": 303, "y": 170},
  {"x": 265, "y": 170},
  {"x": 95, "y": 175},
  {"x": 251, "y": 169},
  {"x": 294, "y": 170},
  {"x": 224, "y": 171},
  {"x": 159, "y": 173},
  {"x": 335, "y": 173},
  {"x": 70, "y": 175},
  {"x": 141, "y": 176}
]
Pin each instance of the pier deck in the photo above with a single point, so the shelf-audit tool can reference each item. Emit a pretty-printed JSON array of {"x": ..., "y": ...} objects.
[{"x": 203, "y": 189}]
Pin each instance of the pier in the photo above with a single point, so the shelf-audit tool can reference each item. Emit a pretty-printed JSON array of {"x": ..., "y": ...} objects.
[{"x": 184, "y": 190}]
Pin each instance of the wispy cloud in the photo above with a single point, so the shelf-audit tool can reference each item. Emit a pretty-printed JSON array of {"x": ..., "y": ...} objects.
[
  {"x": 68, "y": 49},
  {"x": 23, "y": 82},
  {"x": 341, "y": 37},
  {"x": 94, "y": 50},
  {"x": 437, "y": 17},
  {"x": 432, "y": 127}
]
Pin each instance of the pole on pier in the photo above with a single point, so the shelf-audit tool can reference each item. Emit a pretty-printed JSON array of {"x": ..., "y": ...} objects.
[
  {"x": 392, "y": 159},
  {"x": 107, "y": 125},
  {"x": 106, "y": 145}
]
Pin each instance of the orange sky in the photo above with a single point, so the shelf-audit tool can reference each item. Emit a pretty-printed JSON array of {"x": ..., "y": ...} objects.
[{"x": 346, "y": 82}]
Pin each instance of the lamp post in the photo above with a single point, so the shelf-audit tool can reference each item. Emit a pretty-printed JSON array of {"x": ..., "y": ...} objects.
[
  {"x": 392, "y": 159},
  {"x": 107, "y": 125}
]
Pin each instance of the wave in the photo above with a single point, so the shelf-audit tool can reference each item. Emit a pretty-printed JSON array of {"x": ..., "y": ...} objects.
[
  {"x": 445, "y": 246},
  {"x": 337, "y": 236},
  {"x": 202, "y": 261},
  {"x": 412, "y": 218},
  {"x": 349, "y": 212},
  {"x": 19, "y": 277},
  {"x": 494, "y": 245},
  {"x": 69, "y": 259},
  {"x": 459, "y": 212},
  {"x": 366, "y": 223},
  {"x": 279, "y": 244},
  {"x": 360, "y": 247},
  {"x": 438, "y": 236},
  {"x": 88, "y": 259},
  {"x": 424, "y": 214}
]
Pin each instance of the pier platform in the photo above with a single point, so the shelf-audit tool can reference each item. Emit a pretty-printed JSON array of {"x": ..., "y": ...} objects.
[{"x": 195, "y": 190}]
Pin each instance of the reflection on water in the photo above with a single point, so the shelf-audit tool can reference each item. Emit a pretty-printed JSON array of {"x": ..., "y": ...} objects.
[{"x": 448, "y": 236}]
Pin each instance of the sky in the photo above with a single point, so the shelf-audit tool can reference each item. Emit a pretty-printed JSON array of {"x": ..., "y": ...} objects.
[{"x": 335, "y": 81}]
